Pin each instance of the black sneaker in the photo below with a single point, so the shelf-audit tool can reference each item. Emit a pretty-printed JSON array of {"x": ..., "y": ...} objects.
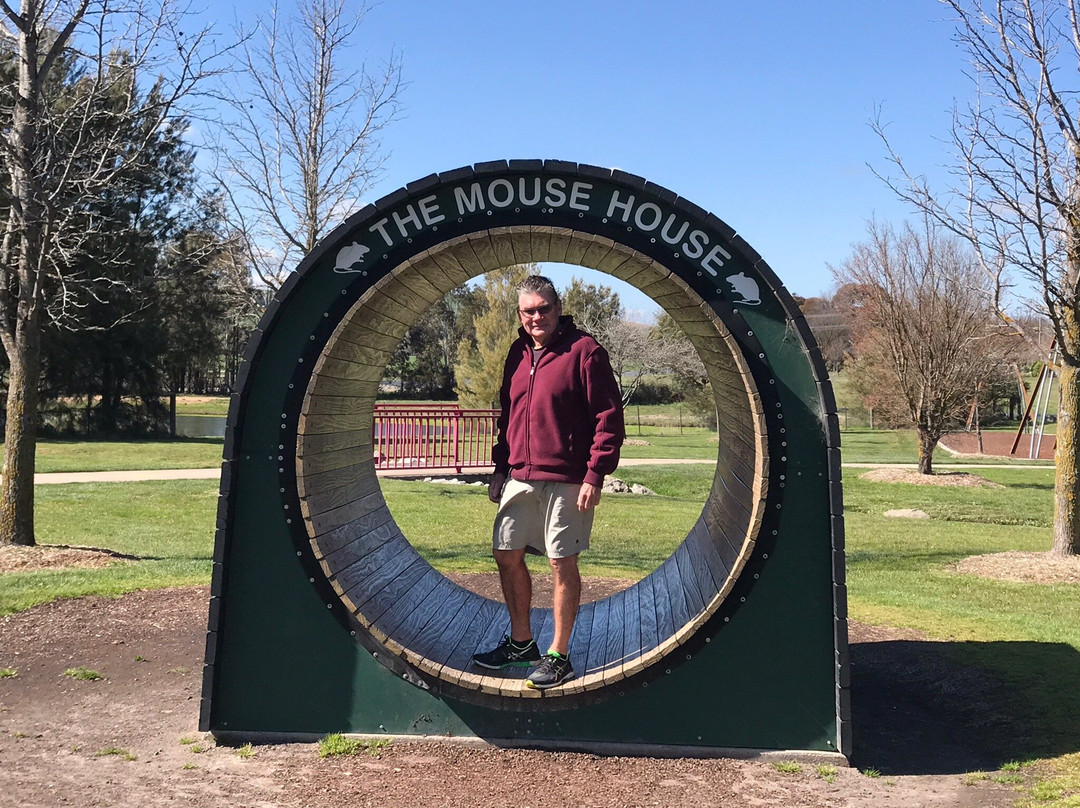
[
  {"x": 508, "y": 654},
  {"x": 554, "y": 669}
]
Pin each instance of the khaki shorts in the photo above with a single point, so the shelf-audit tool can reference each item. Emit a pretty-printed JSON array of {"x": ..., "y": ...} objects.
[{"x": 542, "y": 517}]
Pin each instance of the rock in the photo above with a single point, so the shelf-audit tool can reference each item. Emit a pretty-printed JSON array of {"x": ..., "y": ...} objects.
[
  {"x": 452, "y": 481},
  {"x": 613, "y": 485},
  {"x": 908, "y": 513}
]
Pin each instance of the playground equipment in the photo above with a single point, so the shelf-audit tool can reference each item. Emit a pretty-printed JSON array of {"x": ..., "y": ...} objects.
[
  {"x": 1040, "y": 401},
  {"x": 324, "y": 618}
]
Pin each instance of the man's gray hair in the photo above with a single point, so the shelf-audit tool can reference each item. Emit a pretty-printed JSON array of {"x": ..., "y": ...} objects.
[{"x": 538, "y": 285}]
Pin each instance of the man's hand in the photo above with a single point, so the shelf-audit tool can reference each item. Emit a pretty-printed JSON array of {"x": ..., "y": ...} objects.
[
  {"x": 588, "y": 497},
  {"x": 495, "y": 487}
]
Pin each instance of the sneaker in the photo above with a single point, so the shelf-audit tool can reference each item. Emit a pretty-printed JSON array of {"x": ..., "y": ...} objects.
[
  {"x": 508, "y": 654},
  {"x": 554, "y": 669}
]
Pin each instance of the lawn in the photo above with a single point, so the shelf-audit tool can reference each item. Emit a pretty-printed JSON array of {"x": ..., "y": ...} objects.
[
  {"x": 901, "y": 446},
  {"x": 203, "y": 405},
  {"x": 168, "y": 525},
  {"x": 899, "y": 571},
  {"x": 451, "y": 525},
  {"x": 177, "y": 453}
]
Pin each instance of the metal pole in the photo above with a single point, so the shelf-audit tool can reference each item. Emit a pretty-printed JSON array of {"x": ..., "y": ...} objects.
[{"x": 1040, "y": 418}]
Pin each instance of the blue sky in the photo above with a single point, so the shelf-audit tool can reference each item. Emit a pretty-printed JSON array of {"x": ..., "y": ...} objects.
[{"x": 756, "y": 111}]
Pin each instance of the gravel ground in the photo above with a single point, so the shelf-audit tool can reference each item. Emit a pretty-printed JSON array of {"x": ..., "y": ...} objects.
[{"x": 130, "y": 738}]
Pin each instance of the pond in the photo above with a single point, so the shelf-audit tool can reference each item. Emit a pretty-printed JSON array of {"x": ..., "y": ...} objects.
[{"x": 200, "y": 426}]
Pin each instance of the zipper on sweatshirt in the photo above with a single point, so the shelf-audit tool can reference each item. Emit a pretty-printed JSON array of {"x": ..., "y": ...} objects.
[{"x": 534, "y": 363}]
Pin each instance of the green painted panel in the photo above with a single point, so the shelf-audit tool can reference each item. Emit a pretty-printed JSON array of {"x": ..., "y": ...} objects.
[{"x": 765, "y": 679}]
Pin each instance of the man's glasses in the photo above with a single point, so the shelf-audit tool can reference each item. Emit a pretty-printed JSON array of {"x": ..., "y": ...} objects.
[{"x": 539, "y": 310}]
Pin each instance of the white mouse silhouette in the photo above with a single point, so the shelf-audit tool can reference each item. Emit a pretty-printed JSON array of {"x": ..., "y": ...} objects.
[
  {"x": 746, "y": 287},
  {"x": 349, "y": 256}
]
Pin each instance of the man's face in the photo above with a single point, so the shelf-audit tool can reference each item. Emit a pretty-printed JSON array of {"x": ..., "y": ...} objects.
[{"x": 539, "y": 316}]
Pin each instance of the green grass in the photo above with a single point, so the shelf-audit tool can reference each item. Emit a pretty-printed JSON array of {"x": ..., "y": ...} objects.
[
  {"x": 901, "y": 446},
  {"x": 169, "y": 525},
  {"x": 1057, "y": 784},
  {"x": 203, "y": 405},
  {"x": 337, "y": 745},
  {"x": 787, "y": 767},
  {"x": 8, "y": 673},
  {"x": 451, "y": 525},
  {"x": 696, "y": 444},
  {"x": 83, "y": 674},
  {"x": 1027, "y": 635},
  {"x": 826, "y": 772},
  {"x": 181, "y": 453},
  {"x": 879, "y": 446},
  {"x": 1024, "y": 501},
  {"x": 114, "y": 751}
]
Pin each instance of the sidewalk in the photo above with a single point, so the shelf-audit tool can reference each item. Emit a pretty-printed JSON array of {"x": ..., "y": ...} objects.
[{"x": 64, "y": 478}]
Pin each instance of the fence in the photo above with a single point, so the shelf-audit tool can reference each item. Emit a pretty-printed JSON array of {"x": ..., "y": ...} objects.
[{"x": 432, "y": 436}]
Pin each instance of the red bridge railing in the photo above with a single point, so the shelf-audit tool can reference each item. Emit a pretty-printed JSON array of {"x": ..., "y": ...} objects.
[{"x": 432, "y": 436}]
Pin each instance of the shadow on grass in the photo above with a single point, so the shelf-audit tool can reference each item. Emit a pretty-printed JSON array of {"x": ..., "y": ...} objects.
[
  {"x": 81, "y": 439},
  {"x": 954, "y": 707}
]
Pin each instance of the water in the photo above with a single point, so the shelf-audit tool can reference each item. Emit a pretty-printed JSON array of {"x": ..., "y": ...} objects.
[{"x": 200, "y": 426}]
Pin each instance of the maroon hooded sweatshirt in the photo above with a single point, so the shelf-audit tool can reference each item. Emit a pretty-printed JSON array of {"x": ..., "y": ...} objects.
[{"x": 563, "y": 419}]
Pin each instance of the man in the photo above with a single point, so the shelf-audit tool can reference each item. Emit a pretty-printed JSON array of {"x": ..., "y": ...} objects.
[{"x": 560, "y": 431}]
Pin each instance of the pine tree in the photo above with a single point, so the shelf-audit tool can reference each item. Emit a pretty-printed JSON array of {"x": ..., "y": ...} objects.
[{"x": 480, "y": 363}]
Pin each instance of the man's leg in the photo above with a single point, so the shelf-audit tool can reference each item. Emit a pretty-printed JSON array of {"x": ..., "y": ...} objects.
[
  {"x": 567, "y": 598},
  {"x": 517, "y": 591}
]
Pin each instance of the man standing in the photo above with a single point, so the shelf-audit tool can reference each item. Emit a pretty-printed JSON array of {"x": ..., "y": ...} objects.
[{"x": 560, "y": 431}]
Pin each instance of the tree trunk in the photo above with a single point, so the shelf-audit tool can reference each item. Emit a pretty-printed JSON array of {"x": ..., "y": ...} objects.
[
  {"x": 927, "y": 444},
  {"x": 20, "y": 439},
  {"x": 22, "y": 321},
  {"x": 1066, "y": 481}
]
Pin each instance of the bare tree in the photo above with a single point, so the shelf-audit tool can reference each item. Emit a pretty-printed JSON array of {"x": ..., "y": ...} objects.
[
  {"x": 636, "y": 351},
  {"x": 920, "y": 324},
  {"x": 686, "y": 368},
  {"x": 301, "y": 146},
  {"x": 1016, "y": 195},
  {"x": 77, "y": 120}
]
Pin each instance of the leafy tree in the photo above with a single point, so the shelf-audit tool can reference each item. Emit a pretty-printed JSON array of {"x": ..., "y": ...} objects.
[
  {"x": 479, "y": 367},
  {"x": 67, "y": 118},
  {"x": 594, "y": 308},
  {"x": 201, "y": 291},
  {"x": 920, "y": 316},
  {"x": 425, "y": 359}
]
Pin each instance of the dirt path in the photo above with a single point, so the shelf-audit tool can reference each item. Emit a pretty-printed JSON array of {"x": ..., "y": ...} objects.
[
  {"x": 914, "y": 722},
  {"x": 997, "y": 444}
]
